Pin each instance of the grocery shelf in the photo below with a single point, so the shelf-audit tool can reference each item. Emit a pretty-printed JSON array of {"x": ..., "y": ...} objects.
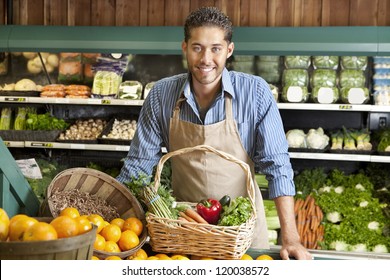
[
  {"x": 331, "y": 107},
  {"x": 89, "y": 101},
  {"x": 125, "y": 148},
  {"x": 75, "y": 146},
  {"x": 130, "y": 102}
]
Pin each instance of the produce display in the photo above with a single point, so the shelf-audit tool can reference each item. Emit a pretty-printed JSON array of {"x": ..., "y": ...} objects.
[
  {"x": 325, "y": 62},
  {"x": 381, "y": 80},
  {"x": 354, "y": 62},
  {"x": 314, "y": 139},
  {"x": 297, "y": 61},
  {"x": 355, "y": 212},
  {"x": 121, "y": 129},
  {"x": 269, "y": 68},
  {"x": 351, "y": 140},
  {"x": 84, "y": 130},
  {"x": 130, "y": 90}
]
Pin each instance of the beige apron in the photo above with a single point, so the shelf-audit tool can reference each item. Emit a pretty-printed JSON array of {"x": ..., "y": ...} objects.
[{"x": 199, "y": 174}]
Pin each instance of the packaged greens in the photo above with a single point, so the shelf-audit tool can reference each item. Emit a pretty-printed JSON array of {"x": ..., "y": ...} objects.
[
  {"x": 295, "y": 94},
  {"x": 352, "y": 78},
  {"x": 6, "y": 119},
  {"x": 354, "y": 95},
  {"x": 324, "y": 78},
  {"x": 325, "y": 95},
  {"x": 295, "y": 77},
  {"x": 130, "y": 90},
  {"x": 354, "y": 62},
  {"x": 325, "y": 62},
  {"x": 297, "y": 61}
]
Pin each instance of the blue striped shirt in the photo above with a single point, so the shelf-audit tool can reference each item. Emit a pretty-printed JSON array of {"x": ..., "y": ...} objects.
[{"x": 254, "y": 109}]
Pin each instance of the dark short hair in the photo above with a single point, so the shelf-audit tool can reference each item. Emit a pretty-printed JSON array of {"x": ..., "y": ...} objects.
[{"x": 208, "y": 16}]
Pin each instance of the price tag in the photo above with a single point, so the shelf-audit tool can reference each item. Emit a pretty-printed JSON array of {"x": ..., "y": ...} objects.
[
  {"x": 7, "y": 143},
  {"x": 294, "y": 94},
  {"x": 122, "y": 148},
  {"x": 106, "y": 101},
  {"x": 62, "y": 100},
  {"x": 16, "y": 99},
  {"x": 325, "y": 95},
  {"x": 356, "y": 96},
  {"x": 94, "y": 101},
  {"x": 39, "y": 144},
  {"x": 345, "y": 107},
  {"x": 77, "y": 146}
]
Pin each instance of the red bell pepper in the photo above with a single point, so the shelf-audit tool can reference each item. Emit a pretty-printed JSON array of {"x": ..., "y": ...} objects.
[{"x": 210, "y": 209}]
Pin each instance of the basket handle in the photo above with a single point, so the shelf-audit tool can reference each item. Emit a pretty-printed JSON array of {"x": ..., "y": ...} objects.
[{"x": 244, "y": 166}]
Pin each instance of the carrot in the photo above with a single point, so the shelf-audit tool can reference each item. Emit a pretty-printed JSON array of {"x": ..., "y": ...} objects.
[
  {"x": 186, "y": 217},
  {"x": 300, "y": 222},
  {"x": 194, "y": 215},
  {"x": 297, "y": 205},
  {"x": 182, "y": 219}
]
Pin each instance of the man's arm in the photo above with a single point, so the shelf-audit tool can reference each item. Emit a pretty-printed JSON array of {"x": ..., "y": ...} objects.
[{"x": 291, "y": 245}]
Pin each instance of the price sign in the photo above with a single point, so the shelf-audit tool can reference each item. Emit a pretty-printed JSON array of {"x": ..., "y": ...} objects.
[
  {"x": 106, "y": 101},
  {"x": 15, "y": 99},
  {"x": 43, "y": 144},
  {"x": 345, "y": 107}
]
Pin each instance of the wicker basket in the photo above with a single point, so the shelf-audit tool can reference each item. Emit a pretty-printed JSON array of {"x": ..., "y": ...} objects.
[
  {"x": 103, "y": 186},
  {"x": 220, "y": 242}
]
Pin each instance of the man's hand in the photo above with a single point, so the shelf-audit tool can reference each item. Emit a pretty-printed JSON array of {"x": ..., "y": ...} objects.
[{"x": 291, "y": 245}]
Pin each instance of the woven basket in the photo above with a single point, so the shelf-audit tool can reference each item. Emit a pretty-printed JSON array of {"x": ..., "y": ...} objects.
[
  {"x": 219, "y": 242},
  {"x": 107, "y": 189}
]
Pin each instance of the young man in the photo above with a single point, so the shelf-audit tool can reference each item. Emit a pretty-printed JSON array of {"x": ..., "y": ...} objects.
[{"x": 230, "y": 111}]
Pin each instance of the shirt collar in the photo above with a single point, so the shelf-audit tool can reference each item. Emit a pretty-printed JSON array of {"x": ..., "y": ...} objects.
[{"x": 226, "y": 85}]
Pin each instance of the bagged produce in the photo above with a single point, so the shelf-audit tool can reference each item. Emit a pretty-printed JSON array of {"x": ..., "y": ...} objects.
[
  {"x": 148, "y": 87},
  {"x": 297, "y": 61},
  {"x": 295, "y": 77},
  {"x": 6, "y": 119},
  {"x": 130, "y": 90},
  {"x": 324, "y": 78},
  {"x": 325, "y": 95},
  {"x": 352, "y": 78},
  {"x": 325, "y": 62},
  {"x": 354, "y": 62},
  {"x": 106, "y": 84},
  {"x": 269, "y": 68},
  {"x": 295, "y": 94},
  {"x": 354, "y": 95}
]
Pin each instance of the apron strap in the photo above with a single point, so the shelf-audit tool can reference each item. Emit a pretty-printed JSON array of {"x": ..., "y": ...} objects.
[{"x": 176, "y": 111}]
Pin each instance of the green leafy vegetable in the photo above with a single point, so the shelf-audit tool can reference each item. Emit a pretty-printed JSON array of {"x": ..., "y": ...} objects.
[
  {"x": 237, "y": 213},
  {"x": 297, "y": 61},
  {"x": 325, "y": 62},
  {"x": 354, "y": 62},
  {"x": 324, "y": 78}
]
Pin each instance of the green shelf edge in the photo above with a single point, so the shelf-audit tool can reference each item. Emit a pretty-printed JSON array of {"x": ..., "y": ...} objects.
[{"x": 342, "y": 40}]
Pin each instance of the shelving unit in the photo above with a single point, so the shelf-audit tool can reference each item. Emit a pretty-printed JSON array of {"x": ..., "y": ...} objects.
[{"x": 368, "y": 41}]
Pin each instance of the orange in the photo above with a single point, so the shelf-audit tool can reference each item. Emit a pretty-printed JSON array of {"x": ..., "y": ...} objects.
[
  {"x": 83, "y": 224},
  {"x": 162, "y": 256},
  {"x": 264, "y": 257},
  {"x": 40, "y": 231},
  {"x": 179, "y": 258},
  {"x": 139, "y": 255},
  {"x": 152, "y": 258},
  {"x": 65, "y": 226},
  {"x": 94, "y": 258},
  {"x": 113, "y": 258},
  {"x": 246, "y": 257},
  {"x": 133, "y": 224},
  {"x": 4, "y": 230},
  {"x": 128, "y": 240},
  {"x": 111, "y": 247},
  {"x": 99, "y": 243},
  {"x": 70, "y": 212},
  {"x": 16, "y": 217},
  {"x": 3, "y": 215},
  {"x": 111, "y": 232},
  {"x": 4, "y": 225},
  {"x": 97, "y": 220},
  {"x": 118, "y": 221},
  {"x": 18, "y": 226}
]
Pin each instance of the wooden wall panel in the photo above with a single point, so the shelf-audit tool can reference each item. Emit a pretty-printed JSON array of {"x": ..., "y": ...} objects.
[
  {"x": 55, "y": 12},
  {"x": 367, "y": 11},
  {"x": 79, "y": 12},
  {"x": 127, "y": 12},
  {"x": 335, "y": 12},
  {"x": 384, "y": 13},
  {"x": 103, "y": 12},
  {"x": 280, "y": 13},
  {"x": 174, "y": 12},
  {"x": 253, "y": 13},
  {"x": 307, "y": 13}
]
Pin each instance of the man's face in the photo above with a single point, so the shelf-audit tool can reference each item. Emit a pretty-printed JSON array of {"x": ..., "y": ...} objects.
[{"x": 206, "y": 53}]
